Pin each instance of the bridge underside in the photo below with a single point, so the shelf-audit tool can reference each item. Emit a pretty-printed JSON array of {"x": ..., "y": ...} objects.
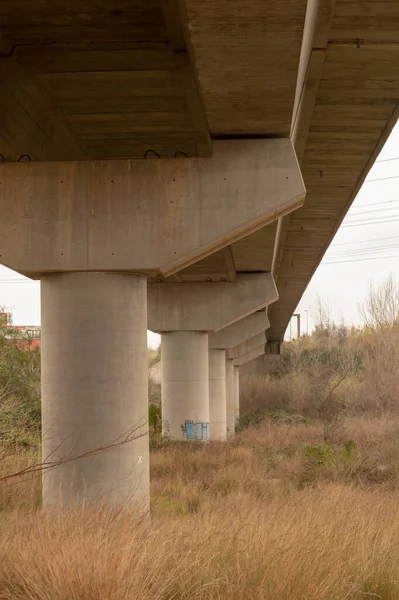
[
  {"x": 156, "y": 156},
  {"x": 98, "y": 80}
]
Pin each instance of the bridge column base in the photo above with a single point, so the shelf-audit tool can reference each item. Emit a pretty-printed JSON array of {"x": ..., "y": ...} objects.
[
  {"x": 185, "y": 385},
  {"x": 94, "y": 390},
  {"x": 217, "y": 395}
]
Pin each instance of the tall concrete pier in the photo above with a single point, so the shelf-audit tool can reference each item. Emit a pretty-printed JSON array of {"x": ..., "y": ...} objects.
[
  {"x": 217, "y": 395},
  {"x": 94, "y": 388},
  {"x": 185, "y": 385}
]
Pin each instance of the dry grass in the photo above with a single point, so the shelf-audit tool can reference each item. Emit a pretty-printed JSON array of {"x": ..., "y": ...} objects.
[{"x": 254, "y": 518}]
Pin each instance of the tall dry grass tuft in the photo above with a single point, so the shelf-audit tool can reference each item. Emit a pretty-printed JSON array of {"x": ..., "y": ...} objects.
[
  {"x": 258, "y": 517},
  {"x": 329, "y": 543},
  {"x": 23, "y": 492}
]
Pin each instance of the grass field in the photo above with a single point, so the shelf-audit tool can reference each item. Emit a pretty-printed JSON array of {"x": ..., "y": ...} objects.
[{"x": 275, "y": 514}]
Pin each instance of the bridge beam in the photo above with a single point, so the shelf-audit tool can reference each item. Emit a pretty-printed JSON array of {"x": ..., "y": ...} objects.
[
  {"x": 245, "y": 347},
  {"x": 149, "y": 216},
  {"x": 93, "y": 232},
  {"x": 251, "y": 355},
  {"x": 240, "y": 331}
]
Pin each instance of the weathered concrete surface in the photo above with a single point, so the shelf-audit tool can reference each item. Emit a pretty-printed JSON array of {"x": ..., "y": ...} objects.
[
  {"x": 217, "y": 395},
  {"x": 240, "y": 331},
  {"x": 245, "y": 347},
  {"x": 251, "y": 355},
  {"x": 207, "y": 306},
  {"x": 185, "y": 383},
  {"x": 94, "y": 389},
  {"x": 149, "y": 216}
]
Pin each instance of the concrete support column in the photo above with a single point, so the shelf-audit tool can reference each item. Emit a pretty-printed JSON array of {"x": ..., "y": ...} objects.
[
  {"x": 94, "y": 389},
  {"x": 236, "y": 393},
  {"x": 217, "y": 395},
  {"x": 185, "y": 385},
  {"x": 230, "y": 397}
]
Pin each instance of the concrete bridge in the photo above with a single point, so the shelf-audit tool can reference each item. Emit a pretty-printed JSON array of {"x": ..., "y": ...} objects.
[{"x": 155, "y": 156}]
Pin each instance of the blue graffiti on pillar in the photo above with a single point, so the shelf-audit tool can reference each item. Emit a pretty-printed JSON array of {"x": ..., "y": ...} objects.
[{"x": 196, "y": 431}]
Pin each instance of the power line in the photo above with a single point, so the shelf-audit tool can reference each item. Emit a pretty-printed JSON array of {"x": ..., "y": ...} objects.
[
  {"x": 369, "y": 222},
  {"x": 377, "y": 203},
  {"x": 363, "y": 250},
  {"x": 394, "y": 237},
  {"x": 359, "y": 260},
  {"x": 386, "y": 160},
  {"x": 368, "y": 212},
  {"x": 382, "y": 179},
  {"x": 348, "y": 256}
]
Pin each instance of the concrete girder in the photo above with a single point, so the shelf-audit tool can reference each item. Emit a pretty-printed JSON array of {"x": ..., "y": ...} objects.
[
  {"x": 251, "y": 355},
  {"x": 245, "y": 347},
  {"x": 240, "y": 331},
  {"x": 207, "y": 306},
  {"x": 146, "y": 216}
]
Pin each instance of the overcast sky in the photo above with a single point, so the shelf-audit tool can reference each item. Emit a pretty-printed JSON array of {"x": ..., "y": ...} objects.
[{"x": 366, "y": 248}]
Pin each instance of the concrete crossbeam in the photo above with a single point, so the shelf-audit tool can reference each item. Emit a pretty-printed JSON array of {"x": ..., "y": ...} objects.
[
  {"x": 245, "y": 347},
  {"x": 207, "y": 306},
  {"x": 146, "y": 216},
  {"x": 251, "y": 355},
  {"x": 240, "y": 331}
]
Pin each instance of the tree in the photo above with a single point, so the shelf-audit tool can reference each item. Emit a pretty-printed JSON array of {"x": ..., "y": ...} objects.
[
  {"x": 19, "y": 387},
  {"x": 380, "y": 310}
]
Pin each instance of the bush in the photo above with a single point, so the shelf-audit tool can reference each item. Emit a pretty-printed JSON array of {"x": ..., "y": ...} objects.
[
  {"x": 155, "y": 418},
  {"x": 327, "y": 375},
  {"x": 20, "y": 409}
]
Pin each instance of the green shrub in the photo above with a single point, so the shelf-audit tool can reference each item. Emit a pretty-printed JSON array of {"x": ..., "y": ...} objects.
[{"x": 20, "y": 409}]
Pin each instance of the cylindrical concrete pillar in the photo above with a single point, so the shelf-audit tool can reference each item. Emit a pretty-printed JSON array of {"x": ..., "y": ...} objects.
[
  {"x": 94, "y": 389},
  {"x": 217, "y": 395},
  {"x": 230, "y": 397},
  {"x": 236, "y": 394},
  {"x": 185, "y": 385}
]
